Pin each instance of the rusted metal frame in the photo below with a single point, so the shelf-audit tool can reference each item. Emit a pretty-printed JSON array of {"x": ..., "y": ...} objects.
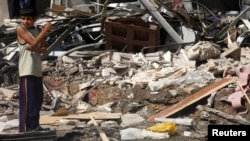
[
  {"x": 162, "y": 21},
  {"x": 181, "y": 14},
  {"x": 71, "y": 24},
  {"x": 85, "y": 28},
  {"x": 207, "y": 28},
  {"x": 223, "y": 32},
  {"x": 59, "y": 40},
  {"x": 82, "y": 47}
]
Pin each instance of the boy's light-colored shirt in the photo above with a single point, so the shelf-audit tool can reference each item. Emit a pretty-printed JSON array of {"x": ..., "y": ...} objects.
[{"x": 29, "y": 61}]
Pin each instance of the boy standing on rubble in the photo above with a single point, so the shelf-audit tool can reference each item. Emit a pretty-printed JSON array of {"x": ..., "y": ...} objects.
[{"x": 31, "y": 46}]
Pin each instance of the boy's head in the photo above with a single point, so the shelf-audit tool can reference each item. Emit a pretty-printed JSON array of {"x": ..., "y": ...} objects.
[
  {"x": 28, "y": 11},
  {"x": 28, "y": 16}
]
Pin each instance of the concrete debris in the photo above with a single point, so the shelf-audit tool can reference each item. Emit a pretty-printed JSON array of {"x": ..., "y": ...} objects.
[
  {"x": 181, "y": 121},
  {"x": 131, "y": 119},
  {"x": 202, "y": 51},
  {"x": 135, "y": 133}
]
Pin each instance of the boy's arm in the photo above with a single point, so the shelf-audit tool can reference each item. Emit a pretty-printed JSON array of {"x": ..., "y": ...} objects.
[
  {"x": 21, "y": 33},
  {"x": 43, "y": 49},
  {"x": 37, "y": 50},
  {"x": 43, "y": 43}
]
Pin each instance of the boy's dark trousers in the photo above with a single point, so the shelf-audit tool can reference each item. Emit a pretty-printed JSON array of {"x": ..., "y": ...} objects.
[{"x": 30, "y": 102}]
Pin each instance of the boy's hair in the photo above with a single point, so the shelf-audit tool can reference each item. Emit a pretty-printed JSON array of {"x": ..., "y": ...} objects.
[{"x": 28, "y": 11}]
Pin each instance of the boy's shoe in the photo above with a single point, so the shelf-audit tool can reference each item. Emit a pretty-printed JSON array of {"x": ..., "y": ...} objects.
[{"x": 39, "y": 128}]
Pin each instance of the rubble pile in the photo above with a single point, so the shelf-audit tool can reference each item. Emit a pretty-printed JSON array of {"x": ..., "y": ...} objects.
[{"x": 102, "y": 84}]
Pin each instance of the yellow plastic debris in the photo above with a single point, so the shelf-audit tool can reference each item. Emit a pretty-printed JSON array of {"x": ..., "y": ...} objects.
[{"x": 169, "y": 127}]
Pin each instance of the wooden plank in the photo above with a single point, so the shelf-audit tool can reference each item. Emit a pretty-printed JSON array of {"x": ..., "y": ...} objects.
[
  {"x": 193, "y": 98},
  {"x": 101, "y": 133},
  {"x": 47, "y": 119},
  {"x": 178, "y": 73},
  {"x": 96, "y": 115},
  {"x": 233, "y": 48}
]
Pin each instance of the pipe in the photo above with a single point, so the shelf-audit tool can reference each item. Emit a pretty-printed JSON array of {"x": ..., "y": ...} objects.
[{"x": 162, "y": 21}]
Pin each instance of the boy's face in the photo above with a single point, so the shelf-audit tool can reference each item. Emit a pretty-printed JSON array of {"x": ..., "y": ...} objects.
[{"x": 28, "y": 21}]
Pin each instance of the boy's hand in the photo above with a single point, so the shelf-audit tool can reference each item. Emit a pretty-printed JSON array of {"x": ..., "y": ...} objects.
[
  {"x": 42, "y": 50},
  {"x": 48, "y": 26},
  {"x": 37, "y": 50},
  {"x": 29, "y": 47}
]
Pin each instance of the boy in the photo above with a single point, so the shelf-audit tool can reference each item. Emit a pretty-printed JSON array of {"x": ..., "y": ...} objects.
[{"x": 31, "y": 46}]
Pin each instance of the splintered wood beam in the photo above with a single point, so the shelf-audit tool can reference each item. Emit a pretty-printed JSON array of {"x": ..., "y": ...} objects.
[
  {"x": 102, "y": 134},
  {"x": 193, "y": 98},
  {"x": 244, "y": 92}
]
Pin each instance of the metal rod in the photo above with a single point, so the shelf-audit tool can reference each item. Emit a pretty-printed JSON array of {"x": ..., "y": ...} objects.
[{"x": 162, "y": 21}]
